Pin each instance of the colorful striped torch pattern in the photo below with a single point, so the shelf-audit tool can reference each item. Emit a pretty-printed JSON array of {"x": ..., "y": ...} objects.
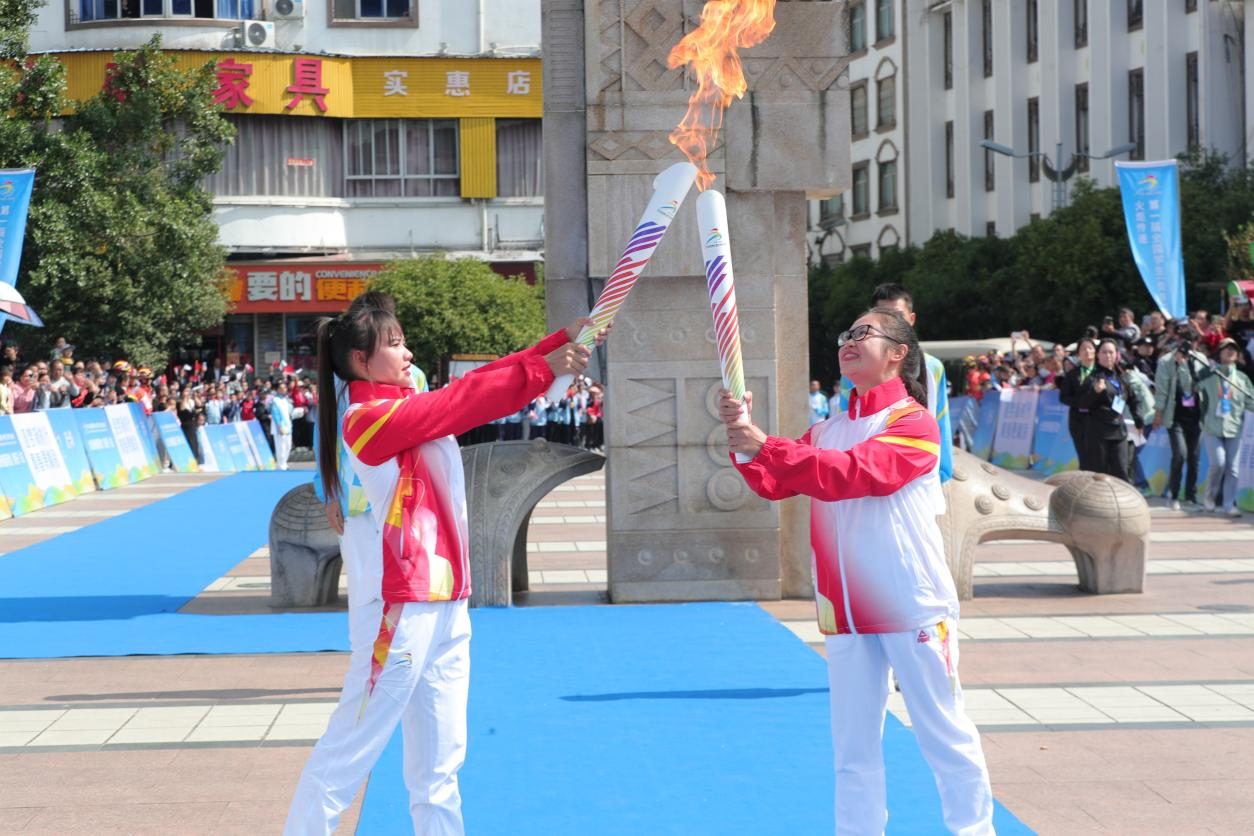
[
  {"x": 718, "y": 276},
  {"x": 669, "y": 190},
  {"x": 716, "y": 252},
  {"x": 634, "y": 259}
]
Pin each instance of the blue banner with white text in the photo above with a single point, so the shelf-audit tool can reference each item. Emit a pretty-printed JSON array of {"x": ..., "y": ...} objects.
[
  {"x": 16, "y": 186},
  {"x": 1151, "y": 210}
]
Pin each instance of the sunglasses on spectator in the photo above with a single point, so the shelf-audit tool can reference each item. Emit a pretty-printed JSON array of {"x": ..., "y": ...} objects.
[{"x": 858, "y": 333}]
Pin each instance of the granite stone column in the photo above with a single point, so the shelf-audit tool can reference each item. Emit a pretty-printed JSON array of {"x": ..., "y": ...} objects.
[{"x": 681, "y": 523}]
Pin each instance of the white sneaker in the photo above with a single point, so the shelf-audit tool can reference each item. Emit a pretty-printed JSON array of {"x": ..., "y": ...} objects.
[
  {"x": 1175, "y": 505},
  {"x": 1234, "y": 511},
  {"x": 1208, "y": 506}
]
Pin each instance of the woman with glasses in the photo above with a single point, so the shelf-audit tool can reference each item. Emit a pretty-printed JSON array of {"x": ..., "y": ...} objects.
[{"x": 884, "y": 593}]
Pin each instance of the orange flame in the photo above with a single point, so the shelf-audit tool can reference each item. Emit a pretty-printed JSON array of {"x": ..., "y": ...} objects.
[{"x": 710, "y": 51}]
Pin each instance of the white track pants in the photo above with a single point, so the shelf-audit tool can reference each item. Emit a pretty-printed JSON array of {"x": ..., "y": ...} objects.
[
  {"x": 423, "y": 685},
  {"x": 857, "y": 669},
  {"x": 282, "y": 448}
]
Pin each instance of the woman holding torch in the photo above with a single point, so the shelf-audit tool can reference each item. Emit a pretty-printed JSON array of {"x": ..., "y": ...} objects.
[
  {"x": 885, "y": 596},
  {"x": 410, "y": 661}
]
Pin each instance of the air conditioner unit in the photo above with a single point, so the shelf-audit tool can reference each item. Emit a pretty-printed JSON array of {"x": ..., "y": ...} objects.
[
  {"x": 287, "y": 9},
  {"x": 255, "y": 34}
]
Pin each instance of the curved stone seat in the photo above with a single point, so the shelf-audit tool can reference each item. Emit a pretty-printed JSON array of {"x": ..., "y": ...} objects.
[
  {"x": 1104, "y": 522},
  {"x": 504, "y": 481},
  {"x": 305, "y": 557}
]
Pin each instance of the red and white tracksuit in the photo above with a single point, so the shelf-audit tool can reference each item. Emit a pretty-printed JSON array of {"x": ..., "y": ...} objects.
[
  {"x": 884, "y": 597},
  {"x": 410, "y": 635}
]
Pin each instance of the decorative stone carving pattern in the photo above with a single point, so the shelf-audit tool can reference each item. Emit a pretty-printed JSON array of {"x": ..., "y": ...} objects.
[
  {"x": 631, "y": 145},
  {"x": 789, "y": 72},
  {"x": 649, "y": 453}
]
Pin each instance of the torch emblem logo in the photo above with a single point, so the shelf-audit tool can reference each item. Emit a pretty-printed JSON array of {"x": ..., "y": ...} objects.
[
  {"x": 6, "y": 188},
  {"x": 1148, "y": 184},
  {"x": 715, "y": 238},
  {"x": 669, "y": 208}
]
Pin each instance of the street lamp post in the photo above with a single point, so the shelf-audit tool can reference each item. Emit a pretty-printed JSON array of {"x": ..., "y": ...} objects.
[{"x": 1057, "y": 178}]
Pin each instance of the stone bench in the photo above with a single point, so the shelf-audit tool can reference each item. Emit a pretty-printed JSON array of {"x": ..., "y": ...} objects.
[
  {"x": 1103, "y": 521},
  {"x": 504, "y": 481},
  {"x": 305, "y": 560}
]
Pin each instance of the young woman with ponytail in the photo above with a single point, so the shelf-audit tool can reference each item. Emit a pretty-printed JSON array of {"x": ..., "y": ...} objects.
[
  {"x": 409, "y": 579},
  {"x": 884, "y": 593}
]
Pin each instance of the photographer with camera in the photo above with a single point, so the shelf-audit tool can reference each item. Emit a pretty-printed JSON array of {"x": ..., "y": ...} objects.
[
  {"x": 1109, "y": 393},
  {"x": 1178, "y": 408}
]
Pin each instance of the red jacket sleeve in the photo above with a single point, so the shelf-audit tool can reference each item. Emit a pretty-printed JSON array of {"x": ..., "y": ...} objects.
[
  {"x": 377, "y": 430},
  {"x": 904, "y": 450},
  {"x": 550, "y": 343},
  {"x": 760, "y": 479}
]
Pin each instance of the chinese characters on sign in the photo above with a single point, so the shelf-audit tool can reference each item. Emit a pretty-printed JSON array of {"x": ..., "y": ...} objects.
[
  {"x": 394, "y": 83},
  {"x": 275, "y": 286},
  {"x": 457, "y": 83},
  {"x": 518, "y": 83},
  {"x": 232, "y": 84},
  {"x": 1148, "y": 215},
  {"x": 314, "y": 287},
  {"x": 307, "y": 81}
]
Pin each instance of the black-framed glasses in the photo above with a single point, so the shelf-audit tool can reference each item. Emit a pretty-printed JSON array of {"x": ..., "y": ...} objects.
[{"x": 858, "y": 333}]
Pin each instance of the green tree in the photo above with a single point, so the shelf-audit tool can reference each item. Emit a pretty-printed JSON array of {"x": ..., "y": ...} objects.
[
  {"x": 839, "y": 295},
  {"x": 1216, "y": 199},
  {"x": 1054, "y": 276},
  {"x": 120, "y": 254},
  {"x": 461, "y": 307},
  {"x": 16, "y": 19}
]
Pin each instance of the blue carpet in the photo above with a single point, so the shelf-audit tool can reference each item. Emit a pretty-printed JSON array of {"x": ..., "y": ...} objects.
[
  {"x": 113, "y": 588},
  {"x": 703, "y": 718}
]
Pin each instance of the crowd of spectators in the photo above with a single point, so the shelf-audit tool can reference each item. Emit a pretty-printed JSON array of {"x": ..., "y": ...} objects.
[
  {"x": 1124, "y": 380},
  {"x": 577, "y": 418},
  {"x": 283, "y": 404}
]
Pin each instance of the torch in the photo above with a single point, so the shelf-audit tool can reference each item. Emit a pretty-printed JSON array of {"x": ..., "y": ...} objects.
[
  {"x": 669, "y": 190},
  {"x": 716, "y": 252}
]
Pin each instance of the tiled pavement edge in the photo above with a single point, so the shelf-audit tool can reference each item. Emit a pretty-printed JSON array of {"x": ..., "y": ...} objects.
[{"x": 1099, "y": 714}]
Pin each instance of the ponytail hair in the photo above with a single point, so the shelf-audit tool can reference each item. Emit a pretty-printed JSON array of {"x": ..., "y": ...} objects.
[
  {"x": 368, "y": 322},
  {"x": 913, "y": 369}
]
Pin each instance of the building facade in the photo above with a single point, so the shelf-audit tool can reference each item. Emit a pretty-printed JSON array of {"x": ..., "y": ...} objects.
[
  {"x": 1062, "y": 82},
  {"x": 367, "y": 130}
]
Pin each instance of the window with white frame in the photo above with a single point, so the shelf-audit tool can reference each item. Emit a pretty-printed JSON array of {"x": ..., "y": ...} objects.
[
  {"x": 401, "y": 158},
  {"x": 371, "y": 9},
  {"x": 90, "y": 11}
]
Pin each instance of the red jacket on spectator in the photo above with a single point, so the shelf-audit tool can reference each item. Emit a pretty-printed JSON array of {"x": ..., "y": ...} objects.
[{"x": 246, "y": 410}]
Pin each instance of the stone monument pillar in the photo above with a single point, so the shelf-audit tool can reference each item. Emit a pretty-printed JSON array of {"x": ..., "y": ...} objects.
[{"x": 682, "y": 524}]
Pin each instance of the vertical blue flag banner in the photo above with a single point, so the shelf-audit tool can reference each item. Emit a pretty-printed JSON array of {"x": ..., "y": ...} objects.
[
  {"x": 1151, "y": 210},
  {"x": 16, "y": 186}
]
